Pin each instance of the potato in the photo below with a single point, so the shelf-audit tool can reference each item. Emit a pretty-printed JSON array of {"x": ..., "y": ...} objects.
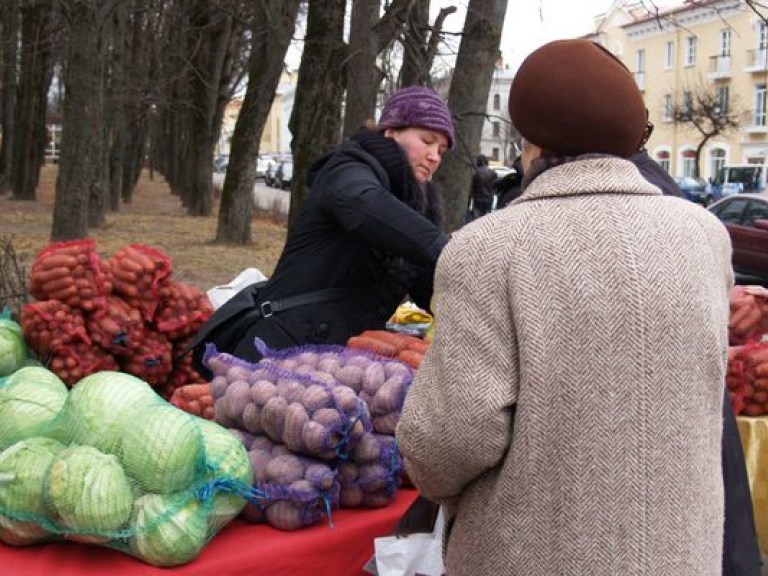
[
  {"x": 273, "y": 418},
  {"x": 373, "y": 477},
  {"x": 346, "y": 400},
  {"x": 262, "y": 443},
  {"x": 284, "y": 515},
  {"x": 368, "y": 449},
  {"x": 320, "y": 475},
  {"x": 259, "y": 460},
  {"x": 296, "y": 417},
  {"x": 253, "y": 513},
  {"x": 261, "y": 374},
  {"x": 236, "y": 397},
  {"x": 324, "y": 378},
  {"x": 262, "y": 391},
  {"x": 351, "y": 496},
  {"x": 244, "y": 437},
  {"x": 359, "y": 360},
  {"x": 373, "y": 378},
  {"x": 303, "y": 491},
  {"x": 377, "y": 499},
  {"x": 251, "y": 418},
  {"x": 219, "y": 385},
  {"x": 347, "y": 473},
  {"x": 288, "y": 363},
  {"x": 329, "y": 365},
  {"x": 290, "y": 389},
  {"x": 281, "y": 450},
  {"x": 389, "y": 397},
  {"x": 398, "y": 369},
  {"x": 284, "y": 469},
  {"x": 221, "y": 415},
  {"x": 238, "y": 372},
  {"x": 387, "y": 423},
  {"x": 330, "y": 418},
  {"x": 351, "y": 376},
  {"x": 316, "y": 397},
  {"x": 316, "y": 438},
  {"x": 307, "y": 359}
]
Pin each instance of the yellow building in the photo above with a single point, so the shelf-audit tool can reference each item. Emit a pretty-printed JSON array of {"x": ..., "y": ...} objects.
[{"x": 716, "y": 49}]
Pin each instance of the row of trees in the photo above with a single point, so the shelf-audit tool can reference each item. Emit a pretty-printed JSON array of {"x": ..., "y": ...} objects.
[{"x": 151, "y": 78}]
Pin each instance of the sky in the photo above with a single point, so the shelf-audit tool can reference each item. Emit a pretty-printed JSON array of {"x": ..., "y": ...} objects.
[{"x": 531, "y": 23}]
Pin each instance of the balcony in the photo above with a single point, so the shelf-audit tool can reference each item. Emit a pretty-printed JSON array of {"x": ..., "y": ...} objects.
[
  {"x": 756, "y": 60},
  {"x": 719, "y": 67},
  {"x": 640, "y": 79},
  {"x": 755, "y": 123}
]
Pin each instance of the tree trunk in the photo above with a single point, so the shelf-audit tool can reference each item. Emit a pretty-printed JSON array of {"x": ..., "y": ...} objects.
[
  {"x": 274, "y": 24},
  {"x": 10, "y": 71},
  {"x": 415, "y": 69},
  {"x": 34, "y": 79},
  {"x": 364, "y": 76},
  {"x": 79, "y": 181},
  {"x": 468, "y": 100},
  {"x": 315, "y": 122}
]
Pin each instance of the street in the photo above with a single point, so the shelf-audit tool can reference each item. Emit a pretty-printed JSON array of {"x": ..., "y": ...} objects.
[{"x": 272, "y": 200}]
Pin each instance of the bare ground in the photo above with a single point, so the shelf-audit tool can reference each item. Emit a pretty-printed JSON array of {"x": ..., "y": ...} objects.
[{"x": 155, "y": 217}]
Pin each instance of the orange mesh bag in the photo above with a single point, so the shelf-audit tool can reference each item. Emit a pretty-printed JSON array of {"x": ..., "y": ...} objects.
[
  {"x": 72, "y": 362},
  {"x": 182, "y": 310},
  {"x": 71, "y": 272},
  {"x": 749, "y": 314},
  {"x": 116, "y": 327},
  {"x": 747, "y": 378},
  {"x": 194, "y": 399},
  {"x": 138, "y": 275},
  {"x": 183, "y": 373},
  {"x": 51, "y": 324}
]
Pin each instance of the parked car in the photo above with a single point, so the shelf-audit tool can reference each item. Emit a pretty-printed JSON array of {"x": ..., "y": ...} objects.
[
  {"x": 284, "y": 174},
  {"x": 220, "y": 163},
  {"x": 746, "y": 218},
  {"x": 696, "y": 190},
  {"x": 269, "y": 173},
  {"x": 262, "y": 166}
]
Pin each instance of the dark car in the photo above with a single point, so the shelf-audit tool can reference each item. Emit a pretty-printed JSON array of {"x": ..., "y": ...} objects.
[
  {"x": 696, "y": 190},
  {"x": 746, "y": 218}
]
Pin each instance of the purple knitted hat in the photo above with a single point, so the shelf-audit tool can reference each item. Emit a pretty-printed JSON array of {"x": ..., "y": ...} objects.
[{"x": 418, "y": 107}]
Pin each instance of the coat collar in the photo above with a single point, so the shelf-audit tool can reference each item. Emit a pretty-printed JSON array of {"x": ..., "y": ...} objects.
[{"x": 596, "y": 175}]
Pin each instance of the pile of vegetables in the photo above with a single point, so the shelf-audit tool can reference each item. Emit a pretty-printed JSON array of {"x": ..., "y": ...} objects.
[
  {"x": 404, "y": 347},
  {"x": 110, "y": 462},
  {"x": 124, "y": 313},
  {"x": 747, "y": 376},
  {"x": 13, "y": 349}
]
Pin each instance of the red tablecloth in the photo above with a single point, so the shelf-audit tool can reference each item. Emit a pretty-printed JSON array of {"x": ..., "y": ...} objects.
[{"x": 239, "y": 549}]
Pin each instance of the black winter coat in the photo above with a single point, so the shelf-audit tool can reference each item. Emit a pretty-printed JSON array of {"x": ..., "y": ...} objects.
[
  {"x": 366, "y": 228},
  {"x": 741, "y": 554}
]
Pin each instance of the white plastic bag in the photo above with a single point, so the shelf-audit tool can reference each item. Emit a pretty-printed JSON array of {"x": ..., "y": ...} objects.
[
  {"x": 413, "y": 555},
  {"x": 220, "y": 294}
]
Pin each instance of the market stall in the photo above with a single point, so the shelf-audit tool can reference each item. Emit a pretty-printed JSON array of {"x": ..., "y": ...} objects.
[{"x": 239, "y": 549}]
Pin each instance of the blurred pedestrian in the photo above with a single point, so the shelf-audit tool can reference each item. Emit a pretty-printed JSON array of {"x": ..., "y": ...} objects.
[
  {"x": 481, "y": 196},
  {"x": 510, "y": 186},
  {"x": 568, "y": 411}
]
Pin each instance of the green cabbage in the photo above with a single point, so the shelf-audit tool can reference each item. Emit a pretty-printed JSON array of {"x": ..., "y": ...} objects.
[
  {"x": 30, "y": 399},
  {"x": 13, "y": 351},
  {"x": 23, "y": 467},
  {"x": 88, "y": 491},
  {"x": 226, "y": 458},
  {"x": 101, "y": 407},
  {"x": 163, "y": 449},
  {"x": 168, "y": 529}
]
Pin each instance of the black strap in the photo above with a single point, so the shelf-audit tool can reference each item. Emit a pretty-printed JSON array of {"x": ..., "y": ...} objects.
[{"x": 268, "y": 308}]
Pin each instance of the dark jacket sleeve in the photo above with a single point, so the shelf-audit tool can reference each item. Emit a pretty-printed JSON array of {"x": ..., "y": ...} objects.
[{"x": 359, "y": 202}]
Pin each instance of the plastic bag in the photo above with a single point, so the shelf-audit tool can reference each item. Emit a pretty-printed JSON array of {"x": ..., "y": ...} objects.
[{"x": 420, "y": 554}]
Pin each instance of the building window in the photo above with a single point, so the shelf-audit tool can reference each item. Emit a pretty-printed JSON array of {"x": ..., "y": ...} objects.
[
  {"x": 687, "y": 103},
  {"x": 762, "y": 36},
  {"x": 723, "y": 95},
  {"x": 716, "y": 161},
  {"x": 663, "y": 159},
  {"x": 759, "y": 115},
  {"x": 689, "y": 162},
  {"x": 496, "y": 129},
  {"x": 640, "y": 68},
  {"x": 496, "y": 102},
  {"x": 666, "y": 110},
  {"x": 725, "y": 42},
  {"x": 690, "y": 51},
  {"x": 495, "y": 154},
  {"x": 669, "y": 56}
]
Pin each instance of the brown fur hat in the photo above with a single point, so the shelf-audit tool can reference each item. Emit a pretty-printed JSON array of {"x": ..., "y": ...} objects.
[{"x": 573, "y": 97}]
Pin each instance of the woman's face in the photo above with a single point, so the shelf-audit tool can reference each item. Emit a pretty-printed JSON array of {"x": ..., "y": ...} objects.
[{"x": 424, "y": 149}]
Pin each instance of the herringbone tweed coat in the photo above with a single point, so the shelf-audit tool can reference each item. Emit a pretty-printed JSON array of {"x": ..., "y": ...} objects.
[{"x": 569, "y": 410}]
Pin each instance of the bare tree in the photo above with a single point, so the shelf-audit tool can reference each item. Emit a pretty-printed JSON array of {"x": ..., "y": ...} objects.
[
  {"x": 315, "y": 121},
  {"x": 702, "y": 110},
  {"x": 364, "y": 76},
  {"x": 468, "y": 100},
  {"x": 273, "y": 25},
  {"x": 9, "y": 21}
]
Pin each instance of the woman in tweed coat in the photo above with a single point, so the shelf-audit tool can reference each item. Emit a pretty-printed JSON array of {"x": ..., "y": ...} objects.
[{"x": 568, "y": 412}]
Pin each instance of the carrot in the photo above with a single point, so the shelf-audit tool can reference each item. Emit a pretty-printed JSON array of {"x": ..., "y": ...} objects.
[
  {"x": 57, "y": 260},
  {"x": 400, "y": 341},
  {"x": 58, "y": 285},
  {"x": 761, "y": 369},
  {"x": 47, "y": 274},
  {"x": 124, "y": 288},
  {"x": 63, "y": 294},
  {"x": 754, "y": 410},
  {"x": 418, "y": 346},
  {"x": 748, "y": 323},
  {"x": 125, "y": 275},
  {"x": 739, "y": 315},
  {"x": 128, "y": 264},
  {"x": 411, "y": 357},
  {"x": 373, "y": 345},
  {"x": 139, "y": 257}
]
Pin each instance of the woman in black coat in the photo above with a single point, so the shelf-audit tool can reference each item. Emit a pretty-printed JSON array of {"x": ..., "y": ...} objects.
[{"x": 367, "y": 236}]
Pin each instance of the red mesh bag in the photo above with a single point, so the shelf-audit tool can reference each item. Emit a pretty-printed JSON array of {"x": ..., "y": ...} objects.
[
  {"x": 116, "y": 327},
  {"x": 51, "y": 324},
  {"x": 195, "y": 399},
  {"x": 71, "y": 362},
  {"x": 747, "y": 378},
  {"x": 138, "y": 274},
  {"x": 152, "y": 360},
  {"x": 182, "y": 310},
  {"x": 748, "y": 319},
  {"x": 71, "y": 272},
  {"x": 183, "y": 373}
]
